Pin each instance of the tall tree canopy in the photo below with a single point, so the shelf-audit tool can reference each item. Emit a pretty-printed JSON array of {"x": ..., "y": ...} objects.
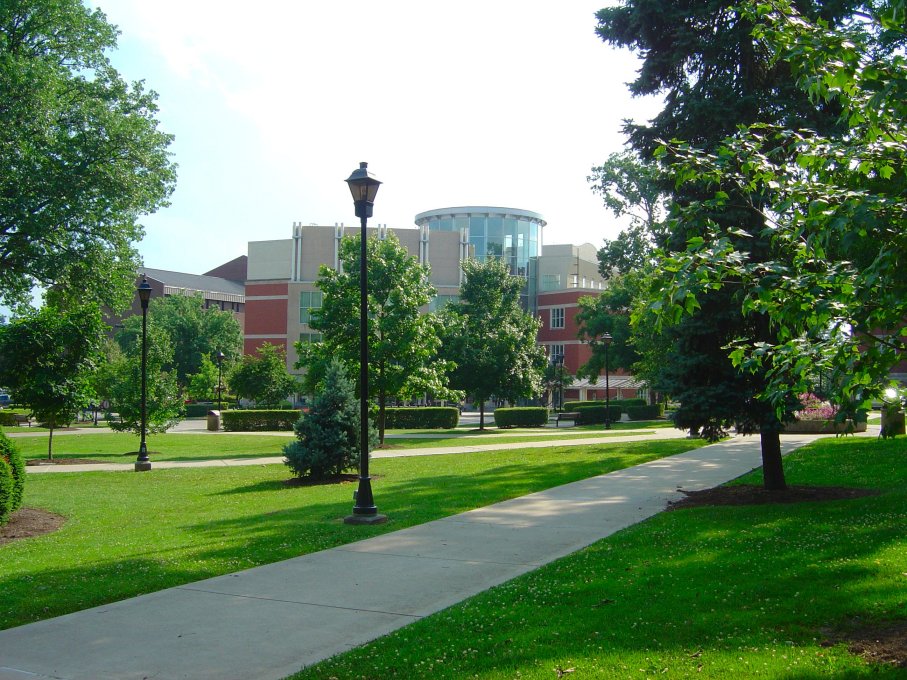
[
  {"x": 715, "y": 74},
  {"x": 402, "y": 342},
  {"x": 490, "y": 338},
  {"x": 81, "y": 155},
  {"x": 834, "y": 209},
  {"x": 47, "y": 357},
  {"x": 192, "y": 330}
]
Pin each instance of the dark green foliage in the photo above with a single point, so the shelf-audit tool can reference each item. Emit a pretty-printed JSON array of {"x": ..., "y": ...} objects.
[
  {"x": 259, "y": 420},
  {"x": 423, "y": 417},
  {"x": 647, "y": 412},
  {"x": 263, "y": 378},
  {"x": 328, "y": 437},
  {"x": 6, "y": 491},
  {"x": 524, "y": 416},
  {"x": 573, "y": 405},
  {"x": 13, "y": 456},
  {"x": 81, "y": 156},
  {"x": 7, "y": 419},
  {"x": 595, "y": 415},
  {"x": 199, "y": 410}
]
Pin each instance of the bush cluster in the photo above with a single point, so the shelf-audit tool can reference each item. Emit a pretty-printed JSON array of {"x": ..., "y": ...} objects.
[
  {"x": 648, "y": 412},
  {"x": 421, "y": 417},
  {"x": 12, "y": 478},
  {"x": 595, "y": 415},
  {"x": 573, "y": 405},
  {"x": 525, "y": 416},
  {"x": 258, "y": 420}
]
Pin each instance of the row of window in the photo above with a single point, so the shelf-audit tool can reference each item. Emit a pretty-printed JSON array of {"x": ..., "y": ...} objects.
[{"x": 309, "y": 300}]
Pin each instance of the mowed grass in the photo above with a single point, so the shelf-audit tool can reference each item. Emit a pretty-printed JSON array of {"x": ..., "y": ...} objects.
[
  {"x": 121, "y": 447},
  {"x": 130, "y": 533},
  {"x": 730, "y": 592}
]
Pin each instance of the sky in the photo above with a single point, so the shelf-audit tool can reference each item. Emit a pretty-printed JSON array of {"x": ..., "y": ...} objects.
[{"x": 273, "y": 104}]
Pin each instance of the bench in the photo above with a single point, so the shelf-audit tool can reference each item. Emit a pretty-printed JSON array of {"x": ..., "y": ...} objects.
[
  {"x": 571, "y": 416},
  {"x": 22, "y": 418}
]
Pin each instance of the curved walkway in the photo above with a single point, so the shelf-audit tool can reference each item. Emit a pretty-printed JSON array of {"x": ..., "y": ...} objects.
[{"x": 268, "y": 622}]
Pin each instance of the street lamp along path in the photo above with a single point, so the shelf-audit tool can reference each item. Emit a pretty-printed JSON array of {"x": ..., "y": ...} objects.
[
  {"x": 142, "y": 463},
  {"x": 364, "y": 187}
]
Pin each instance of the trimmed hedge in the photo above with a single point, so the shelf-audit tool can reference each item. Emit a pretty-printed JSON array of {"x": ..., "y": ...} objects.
[
  {"x": 7, "y": 419},
  {"x": 524, "y": 416},
  {"x": 595, "y": 415},
  {"x": 573, "y": 405},
  {"x": 199, "y": 409},
  {"x": 259, "y": 420},
  {"x": 421, "y": 417},
  {"x": 649, "y": 412},
  {"x": 12, "y": 478}
]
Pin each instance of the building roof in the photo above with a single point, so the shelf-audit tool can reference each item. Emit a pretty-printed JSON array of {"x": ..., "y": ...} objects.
[{"x": 195, "y": 282}]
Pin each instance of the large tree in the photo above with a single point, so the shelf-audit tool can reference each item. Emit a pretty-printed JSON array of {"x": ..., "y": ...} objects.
[
  {"x": 715, "y": 75},
  {"x": 490, "y": 338},
  {"x": 263, "y": 377},
  {"x": 81, "y": 155},
  {"x": 834, "y": 208},
  {"x": 47, "y": 357},
  {"x": 192, "y": 329},
  {"x": 402, "y": 341}
]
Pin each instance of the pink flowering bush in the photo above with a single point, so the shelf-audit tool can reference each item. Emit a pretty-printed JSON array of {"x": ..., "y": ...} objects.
[{"x": 814, "y": 408}]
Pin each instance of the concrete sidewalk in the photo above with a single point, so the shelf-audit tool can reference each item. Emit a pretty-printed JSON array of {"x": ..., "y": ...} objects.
[{"x": 270, "y": 621}]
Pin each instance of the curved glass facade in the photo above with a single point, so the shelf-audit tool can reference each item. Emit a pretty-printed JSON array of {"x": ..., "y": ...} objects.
[{"x": 508, "y": 233}]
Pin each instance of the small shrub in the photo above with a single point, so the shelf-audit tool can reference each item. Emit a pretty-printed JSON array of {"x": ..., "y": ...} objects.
[
  {"x": 421, "y": 417},
  {"x": 10, "y": 453},
  {"x": 6, "y": 492},
  {"x": 328, "y": 437},
  {"x": 259, "y": 420},
  {"x": 648, "y": 412},
  {"x": 525, "y": 416},
  {"x": 199, "y": 409},
  {"x": 7, "y": 419}
]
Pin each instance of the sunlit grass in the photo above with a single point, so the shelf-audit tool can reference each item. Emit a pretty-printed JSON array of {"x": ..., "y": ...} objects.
[
  {"x": 130, "y": 533},
  {"x": 744, "y": 592}
]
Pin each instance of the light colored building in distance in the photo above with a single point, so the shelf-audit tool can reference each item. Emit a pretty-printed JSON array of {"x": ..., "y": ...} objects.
[{"x": 280, "y": 286}]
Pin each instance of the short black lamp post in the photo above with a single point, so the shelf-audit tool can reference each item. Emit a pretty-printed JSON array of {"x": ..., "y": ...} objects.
[
  {"x": 219, "y": 357},
  {"x": 142, "y": 463},
  {"x": 606, "y": 341},
  {"x": 363, "y": 187}
]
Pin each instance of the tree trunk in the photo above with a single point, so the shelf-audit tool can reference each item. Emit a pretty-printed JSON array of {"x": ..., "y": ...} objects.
[
  {"x": 50, "y": 442},
  {"x": 772, "y": 466},
  {"x": 482, "y": 414}
]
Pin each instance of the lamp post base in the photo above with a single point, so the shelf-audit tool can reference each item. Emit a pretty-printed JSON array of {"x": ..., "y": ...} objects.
[
  {"x": 142, "y": 465},
  {"x": 365, "y": 519}
]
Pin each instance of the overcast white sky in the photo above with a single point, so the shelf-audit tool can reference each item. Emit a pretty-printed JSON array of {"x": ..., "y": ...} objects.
[{"x": 274, "y": 103}]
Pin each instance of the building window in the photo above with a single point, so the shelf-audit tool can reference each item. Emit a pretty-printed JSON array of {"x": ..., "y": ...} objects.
[
  {"x": 556, "y": 354},
  {"x": 306, "y": 338},
  {"x": 551, "y": 281},
  {"x": 307, "y": 302},
  {"x": 557, "y": 317}
]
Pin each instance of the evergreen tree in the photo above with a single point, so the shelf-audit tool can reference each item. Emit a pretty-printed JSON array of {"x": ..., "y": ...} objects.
[{"x": 328, "y": 436}]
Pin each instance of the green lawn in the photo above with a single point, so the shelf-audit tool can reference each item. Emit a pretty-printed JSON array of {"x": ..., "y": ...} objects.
[
  {"x": 129, "y": 533},
  {"x": 121, "y": 448},
  {"x": 735, "y": 592}
]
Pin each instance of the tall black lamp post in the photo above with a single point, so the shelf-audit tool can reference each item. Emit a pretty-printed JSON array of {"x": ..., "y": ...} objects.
[
  {"x": 364, "y": 187},
  {"x": 606, "y": 341},
  {"x": 142, "y": 463},
  {"x": 219, "y": 357}
]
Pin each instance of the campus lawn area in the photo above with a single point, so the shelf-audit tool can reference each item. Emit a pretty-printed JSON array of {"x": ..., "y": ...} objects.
[
  {"x": 130, "y": 533},
  {"x": 732, "y": 592},
  {"x": 121, "y": 448}
]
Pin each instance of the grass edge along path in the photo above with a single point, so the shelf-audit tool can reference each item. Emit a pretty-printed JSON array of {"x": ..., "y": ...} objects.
[
  {"x": 753, "y": 591},
  {"x": 129, "y": 534}
]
